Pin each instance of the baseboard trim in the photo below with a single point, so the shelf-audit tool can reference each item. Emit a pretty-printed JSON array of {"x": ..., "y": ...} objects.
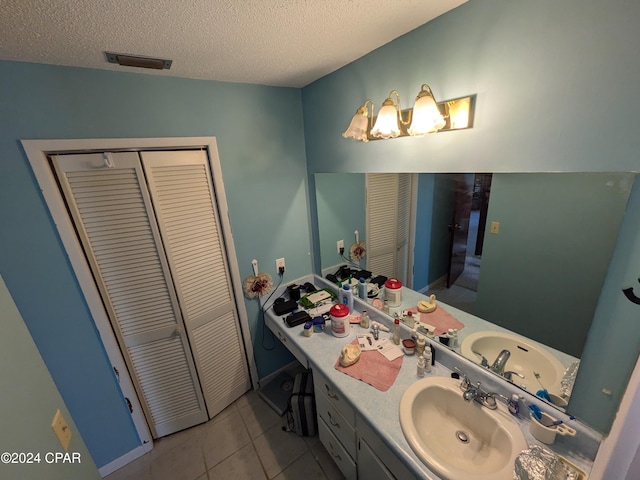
[
  {"x": 124, "y": 459},
  {"x": 436, "y": 283}
]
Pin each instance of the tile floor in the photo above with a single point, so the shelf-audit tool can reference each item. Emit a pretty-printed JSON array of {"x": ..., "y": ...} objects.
[{"x": 245, "y": 441}]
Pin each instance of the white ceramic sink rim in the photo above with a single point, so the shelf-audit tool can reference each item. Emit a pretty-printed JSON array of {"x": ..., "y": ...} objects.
[
  {"x": 490, "y": 343},
  {"x": 429, "y": 425}
]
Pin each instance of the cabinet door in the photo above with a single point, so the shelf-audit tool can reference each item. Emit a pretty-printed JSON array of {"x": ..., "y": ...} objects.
[
  {"x": 112, "y": 213},
  {"x": 369, "y": 465}
]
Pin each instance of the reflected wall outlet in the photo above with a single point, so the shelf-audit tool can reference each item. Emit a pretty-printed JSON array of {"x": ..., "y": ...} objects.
[
  {"x": 495, "y": 227},
  {"x": 61, "y": 430},
  {"x": 340, "y": 244},
  {"x": 280, "y": 265}
]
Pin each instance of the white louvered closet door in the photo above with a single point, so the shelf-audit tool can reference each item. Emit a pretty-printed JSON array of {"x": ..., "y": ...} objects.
[
  {"x": 404, "y": 227},
  {"x": 112, "y": 212},
  {"x": 184, "y": 201},
  {"x": 382, "y": 198},
  {"x": 388, "y": 205}
]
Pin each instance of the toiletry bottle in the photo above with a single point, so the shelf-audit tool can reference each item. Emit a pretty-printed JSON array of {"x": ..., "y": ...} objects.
[
  {"x": 362, "y": 289},
  {"x": 347, "y": 297},
  {"x": 421, "y": 366},
  {"x": 452, "y": 333},
  {"x": 396, "y": 331},
  {"x": 432, "y": 349},
  {"x": 308, "y": 328},
  {"x": 364, "y": 319},
  {"x": 514, "y": 404},
  {"x": 409, "y": 320},
  {"x": 427, "y": 359},
  {"x": 420, "y": 344}
]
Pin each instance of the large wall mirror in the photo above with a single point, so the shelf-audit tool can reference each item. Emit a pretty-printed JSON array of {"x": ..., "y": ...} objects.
[{"x": 526, "y": 252}]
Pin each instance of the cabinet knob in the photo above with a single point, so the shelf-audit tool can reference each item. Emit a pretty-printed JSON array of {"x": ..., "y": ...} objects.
[
  {"x": 333, "y": 453},
  {"x": 332, "y": 421},
  {"x": 329, "y": 394}
]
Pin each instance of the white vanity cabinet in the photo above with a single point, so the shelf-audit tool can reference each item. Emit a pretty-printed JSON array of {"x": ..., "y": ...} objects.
[
  {"x": 336, "y": 425},
  {"x": 353, "y": 445}
]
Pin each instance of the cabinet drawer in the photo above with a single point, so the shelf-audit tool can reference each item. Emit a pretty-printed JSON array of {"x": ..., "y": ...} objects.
[
  {"x": 344, "y": 432},
  {"x": 322, "y": 386},
  {"x": 337, "y": 452}
]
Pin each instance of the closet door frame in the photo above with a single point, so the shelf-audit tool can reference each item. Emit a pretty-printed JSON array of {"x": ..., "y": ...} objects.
[{"x": 37, "y": 152}]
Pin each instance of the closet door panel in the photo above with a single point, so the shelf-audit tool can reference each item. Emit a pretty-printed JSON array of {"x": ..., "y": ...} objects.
[
  {"x": 184, "y": 200},
  {"x": 112, "y": 213},
  {"x": 382, "y": 197}
]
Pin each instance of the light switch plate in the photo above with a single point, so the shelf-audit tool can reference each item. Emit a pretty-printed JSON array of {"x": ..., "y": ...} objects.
[
  {"x": 61, "y": 429},
  {"x": 495, "y": 227}
]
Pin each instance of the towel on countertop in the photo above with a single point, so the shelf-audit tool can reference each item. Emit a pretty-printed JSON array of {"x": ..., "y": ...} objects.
[
  {"x": 439, "y": 318},
  {"x": 373, "y": 368}
]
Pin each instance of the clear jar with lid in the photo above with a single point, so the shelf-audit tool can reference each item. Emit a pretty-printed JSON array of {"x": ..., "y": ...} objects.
[{"x": 365, "y": 321}]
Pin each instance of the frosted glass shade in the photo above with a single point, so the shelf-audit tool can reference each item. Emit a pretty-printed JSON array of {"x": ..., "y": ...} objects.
[
  {"x": 358, "y": 127},
  {"x": 387, "y": 122},
  {"x": 426, "y": 117}
]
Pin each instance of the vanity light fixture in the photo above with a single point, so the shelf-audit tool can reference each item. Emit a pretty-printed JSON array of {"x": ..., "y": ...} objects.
[{"x": 426, "y": 117}]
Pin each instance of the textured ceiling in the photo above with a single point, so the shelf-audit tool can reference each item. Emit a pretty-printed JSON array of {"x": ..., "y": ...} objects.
[{"x": 272, "y": 42}]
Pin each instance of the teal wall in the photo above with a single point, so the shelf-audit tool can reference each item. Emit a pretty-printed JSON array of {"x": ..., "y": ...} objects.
[
  {"x": 555, "y": 85},
  {"x": 29, "y": 401},
  {"x": 542, "y": 274},
  {"x": 422, "y": 238},
  {"x": 261, "y": 147},
  {"x": 341, "y": 210}
]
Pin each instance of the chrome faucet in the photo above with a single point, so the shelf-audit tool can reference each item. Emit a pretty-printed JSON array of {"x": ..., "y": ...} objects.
[
  {"x": 473, "y": 392},
  {"x": 498, "y": 365}
]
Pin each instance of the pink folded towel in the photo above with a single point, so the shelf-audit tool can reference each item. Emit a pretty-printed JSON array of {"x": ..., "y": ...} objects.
[
  {"x": 440, "y": 319},
  {"x": 373, "y": 368}
]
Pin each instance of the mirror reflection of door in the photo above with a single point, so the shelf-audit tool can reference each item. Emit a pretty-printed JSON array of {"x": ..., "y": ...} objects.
[
  {"x": 390, "y": 199},
  {"x": 470, "y": 198},
  {"x": 459, "y": 226}
]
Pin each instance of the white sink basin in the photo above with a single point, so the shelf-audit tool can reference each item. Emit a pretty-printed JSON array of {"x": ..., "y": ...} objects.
[
  {"x": 455, "y": 438},
  {"x": 526, "y": 358}
]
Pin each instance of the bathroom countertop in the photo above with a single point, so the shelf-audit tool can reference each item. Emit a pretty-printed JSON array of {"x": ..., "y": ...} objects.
[{"x": 381, "y": 409}]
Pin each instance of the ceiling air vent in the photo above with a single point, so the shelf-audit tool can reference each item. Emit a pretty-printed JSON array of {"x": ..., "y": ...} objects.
[{"x": 137, "y": 61}]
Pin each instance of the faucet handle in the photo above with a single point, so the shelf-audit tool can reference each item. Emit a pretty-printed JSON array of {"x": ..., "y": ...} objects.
[
  {"x": 464, "y": 384},
  {"x": 483, "y": 360},
  {"x": 489, "y": 400},
  {"x": 508, "y": 375}
]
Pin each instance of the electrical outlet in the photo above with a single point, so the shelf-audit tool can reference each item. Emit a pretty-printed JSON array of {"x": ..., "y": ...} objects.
[
  {"x": 340, "y": 244},
  {"x": 280, "y": 265},
  {"x": 495, "y": 227},
  {"x": 61, "y": 430}
]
